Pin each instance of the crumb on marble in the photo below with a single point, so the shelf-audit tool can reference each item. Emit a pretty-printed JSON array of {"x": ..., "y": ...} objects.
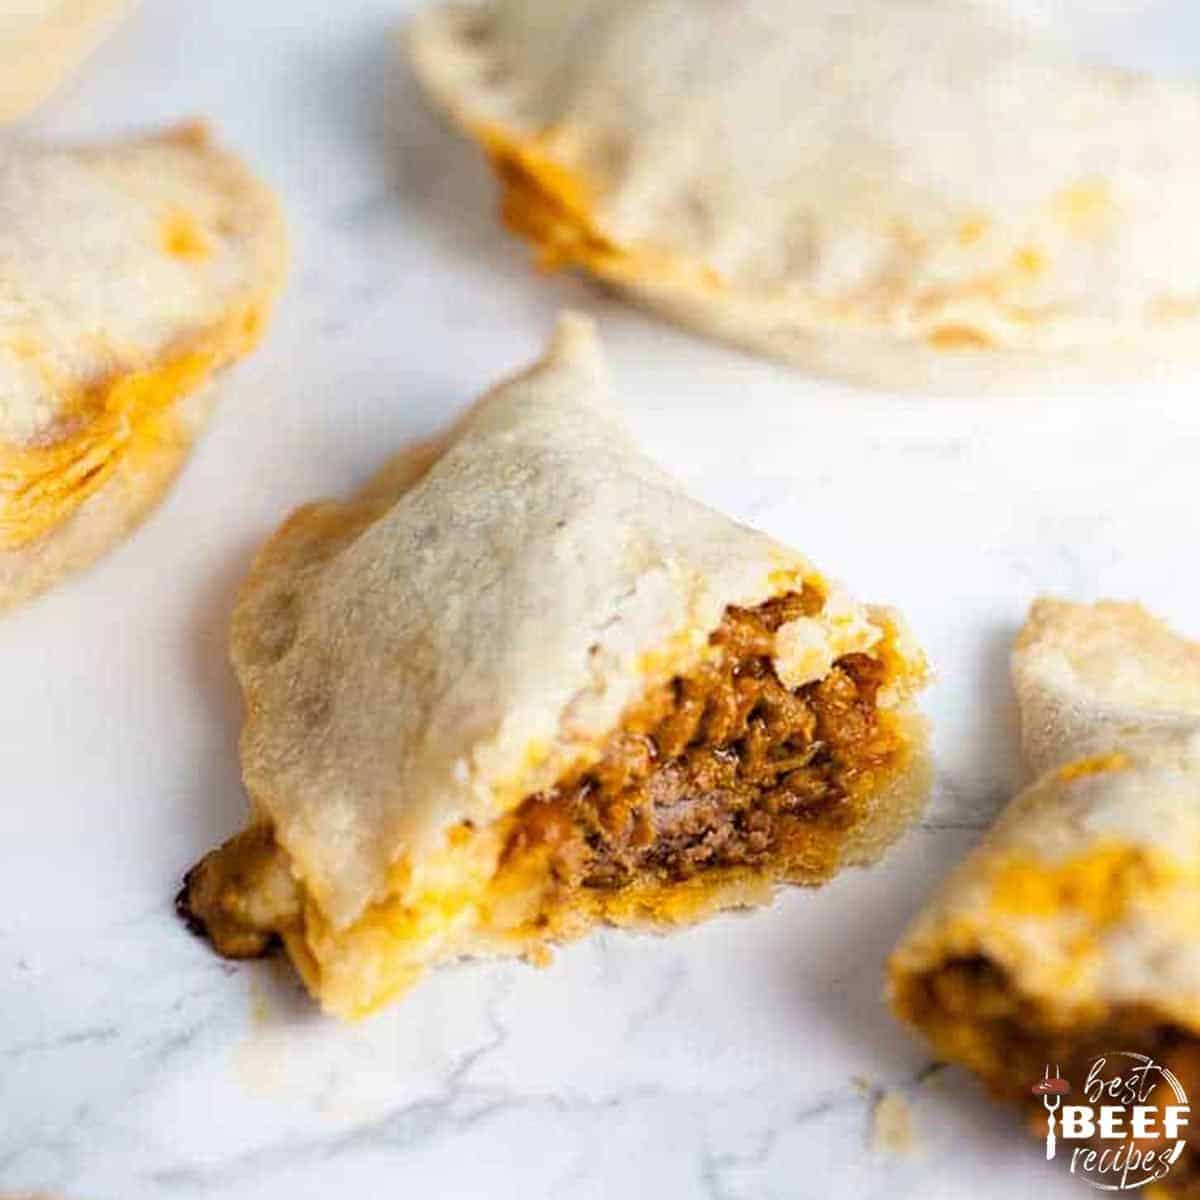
[
  {"x": 260, "y": 1008},
  {"x": 539, "y": 956},
  {"x": 892, "y": 1130}
]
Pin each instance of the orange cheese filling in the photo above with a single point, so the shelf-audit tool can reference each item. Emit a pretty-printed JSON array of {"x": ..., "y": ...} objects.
[
  {"x": 42, "y": 485},
  {"x": 182, "y": 237},
  {"x": 551, "y": 206}
]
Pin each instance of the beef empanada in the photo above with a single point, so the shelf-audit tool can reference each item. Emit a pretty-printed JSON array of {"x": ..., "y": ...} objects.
[
  {"x": 1074, "y": 929},
  {"x": 129, "y": 274},
  {"x": 907, "y": 192},
  {"x": 536, "y": 689}
]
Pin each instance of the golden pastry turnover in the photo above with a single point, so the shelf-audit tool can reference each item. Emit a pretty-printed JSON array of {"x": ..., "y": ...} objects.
[
  {"x": 131, "y": 273},
  {"x": 1073, "y": 931},
  {"x": 923, "y": 193},
  {"x": 530, "y": 686}
]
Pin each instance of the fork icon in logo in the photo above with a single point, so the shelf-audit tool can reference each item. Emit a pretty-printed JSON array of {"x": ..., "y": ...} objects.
[{"x": 1051, "y": 1089}]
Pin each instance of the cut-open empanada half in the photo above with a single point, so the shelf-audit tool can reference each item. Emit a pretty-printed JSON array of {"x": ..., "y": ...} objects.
[
  {"x": 906, "y": 192},
  {"x": 129, "y": 274},
  {"x": 537, "y": 689},
  {"x": 1074, "y": 929},
  {"x": 42, "y": 41}
]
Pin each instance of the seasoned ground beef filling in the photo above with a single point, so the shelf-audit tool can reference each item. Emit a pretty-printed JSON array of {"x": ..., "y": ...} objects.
[
  {"x": 724, "y": 768},
  {"x": 970, "y": 1002}
]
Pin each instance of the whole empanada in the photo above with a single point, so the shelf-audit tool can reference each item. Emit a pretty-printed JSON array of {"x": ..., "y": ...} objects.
[
  {"x": 1074, "y": 929},
  {"x": 537, "y": 689},
  {"x": 907, "y": 192},
  {"x": 129, "y": 274}
]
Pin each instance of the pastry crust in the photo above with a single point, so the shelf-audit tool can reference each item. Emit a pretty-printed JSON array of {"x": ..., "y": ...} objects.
[
  {"x": 784, "y": 177},
  {"x": 42, "y": 41},
  {"x": 136, "y": 271},
  {"x": 1085, "y": 674},
  {"x": 466, "y": 636},
  {"x": 1074, "y": 928}
]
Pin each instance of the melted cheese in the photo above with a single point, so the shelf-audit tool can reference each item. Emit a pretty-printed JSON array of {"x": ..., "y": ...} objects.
[
  {"x": 182, "y": 237},
  {"x": 1098, "y": 765},
  {"x": 42, "y": 485},
  {"x": 553, "y": 206},
  {"x": 1098, "y": 885}
]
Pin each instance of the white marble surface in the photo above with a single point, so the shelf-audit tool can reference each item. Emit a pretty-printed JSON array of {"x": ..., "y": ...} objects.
[{"x": 741, "y": 1059}]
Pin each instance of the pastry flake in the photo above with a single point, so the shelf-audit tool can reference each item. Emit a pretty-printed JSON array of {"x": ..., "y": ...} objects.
[
  {"x": 133, "y": 272},
  {"x": 529, "y": 687},
  {"x": 797, "y": 178}
]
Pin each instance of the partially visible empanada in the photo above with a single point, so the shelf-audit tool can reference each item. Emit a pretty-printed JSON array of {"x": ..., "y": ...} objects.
[
  {"x": 907, "y": 192},
  {"x": 537, "y": 689},
  {"x": 41, "y": 41},
  {"x": 1088, "y": 673},
  {"x": 129, "y": 274},
  {"x": 1074, "y": 929}
]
